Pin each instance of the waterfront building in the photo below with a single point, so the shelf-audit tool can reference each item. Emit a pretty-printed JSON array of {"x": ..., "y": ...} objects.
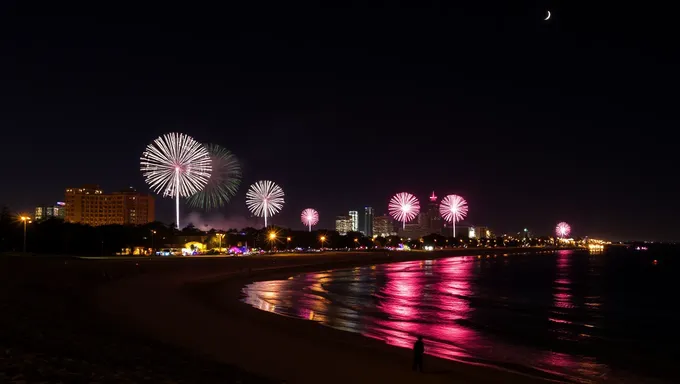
[
  {"x": 90, "y": 205},
  {"x": 463, "y": 230},
  {"x": 413, "y": 231},
  {"x": 368, "y": 221},
  {"x": 44, "y": 212},
  {"x": 483, "y": 232},
  {"x": 383, "y": 226},
  {"x": 354, "y": 216},
  {"x": 343, "y": 224}
]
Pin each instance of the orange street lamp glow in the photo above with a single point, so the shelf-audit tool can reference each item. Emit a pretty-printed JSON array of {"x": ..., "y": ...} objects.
[
  {"x": 25, "y": 219},
  {"x": 272, "y": 236}
]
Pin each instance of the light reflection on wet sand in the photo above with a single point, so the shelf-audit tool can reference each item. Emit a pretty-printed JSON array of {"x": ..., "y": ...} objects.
[{"x": 467, "y": 309}]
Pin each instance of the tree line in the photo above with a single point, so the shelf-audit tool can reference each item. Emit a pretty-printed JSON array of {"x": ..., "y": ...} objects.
[{"x": 54, "y": 236}]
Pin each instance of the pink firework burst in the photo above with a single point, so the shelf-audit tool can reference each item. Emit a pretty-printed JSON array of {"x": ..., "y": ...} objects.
[
  {"x": 309, "y": 217},
  {"x": 404, "y": 207},
  {"x": 563, "y": 229},
  {"x": 453, "y": 208}
]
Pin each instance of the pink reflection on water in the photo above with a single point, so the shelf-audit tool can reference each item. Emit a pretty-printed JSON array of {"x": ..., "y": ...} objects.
[
  {"x": 555, "y": 359},
  {"x": 562, "y": 297},
  {"x": 402, "y": 292},
  {"x": 433, "y": 316},
  {"x": 454, "y": 288},
  {"x": 430, "y": 300}
]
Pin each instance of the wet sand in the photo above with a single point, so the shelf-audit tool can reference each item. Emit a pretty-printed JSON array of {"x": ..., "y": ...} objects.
[{"x": 194, "y": 304}]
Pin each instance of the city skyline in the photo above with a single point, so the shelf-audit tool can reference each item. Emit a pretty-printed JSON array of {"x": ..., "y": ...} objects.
[
  {"x": 533, "y": 122},
  {"x": 429, "y": 221}
]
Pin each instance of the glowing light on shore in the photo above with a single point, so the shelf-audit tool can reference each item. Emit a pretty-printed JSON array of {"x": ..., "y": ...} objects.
[{"x": 404, "y": 207}]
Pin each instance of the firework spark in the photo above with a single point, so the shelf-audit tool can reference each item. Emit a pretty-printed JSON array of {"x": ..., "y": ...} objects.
[
  {"x": 404, "y": 207},
  {"x": 264, "y": 199},
  {"x": 563, "y": 229},
  {"x": 453, "y": 208},
  {"x": 176, "y": 165},
  {"x": 309, "y": 217},
  {"x": 223, "y": 183}
]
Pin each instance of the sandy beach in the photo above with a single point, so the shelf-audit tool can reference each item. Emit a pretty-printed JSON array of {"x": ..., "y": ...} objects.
[
  {"x": 52, "y": 332},
  {"x": 194, "y": 305}
]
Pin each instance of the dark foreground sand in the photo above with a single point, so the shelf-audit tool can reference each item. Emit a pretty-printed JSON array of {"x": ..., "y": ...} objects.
[
  {"x": 51, "y": 331},
  {"x": 193, "y": 304}
]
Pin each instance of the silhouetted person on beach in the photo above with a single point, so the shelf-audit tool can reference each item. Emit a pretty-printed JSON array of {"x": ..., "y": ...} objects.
[{"x": 418, "y": 351}]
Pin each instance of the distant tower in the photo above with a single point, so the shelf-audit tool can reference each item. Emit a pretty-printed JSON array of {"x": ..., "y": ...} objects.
[
  {"x": 368, "y": 221},
  {"x": 354, "y": 216},
  {"x": 435, "y": 224}
]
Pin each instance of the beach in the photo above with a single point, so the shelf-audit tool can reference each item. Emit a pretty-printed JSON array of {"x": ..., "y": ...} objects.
[
  {"x": 196, "y": 307},
  {"x": 180, "y": 320},
  {"x": 51, "y": 330}
]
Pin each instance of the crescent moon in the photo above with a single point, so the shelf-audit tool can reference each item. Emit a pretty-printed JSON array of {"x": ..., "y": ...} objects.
[{"x": 547, "y": 17}]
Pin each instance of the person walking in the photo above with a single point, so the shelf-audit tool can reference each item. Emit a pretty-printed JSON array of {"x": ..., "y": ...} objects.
[{"x": 418, "y": 351}]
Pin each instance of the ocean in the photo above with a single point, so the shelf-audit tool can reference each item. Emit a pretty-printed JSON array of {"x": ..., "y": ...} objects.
[{"x": 566, "y": 315}]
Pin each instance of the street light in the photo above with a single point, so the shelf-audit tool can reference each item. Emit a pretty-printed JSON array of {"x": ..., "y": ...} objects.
[
  {"x": 153, "y": 232},
  {"x": 220, "y": 236},
  {"x": 26, "y": 220},
  {"x": 272, "y": 238},
  {"x": 322, "y": 238},
  {"x": 288, "y": 241},
  {"x": 356, "y": 243}
]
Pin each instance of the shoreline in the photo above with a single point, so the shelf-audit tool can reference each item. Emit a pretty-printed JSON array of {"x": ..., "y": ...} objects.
[{"x": 201, "y": 310}]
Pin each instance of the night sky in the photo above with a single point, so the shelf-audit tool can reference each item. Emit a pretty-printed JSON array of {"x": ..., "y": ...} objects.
[{"x": 534, "y": 122}]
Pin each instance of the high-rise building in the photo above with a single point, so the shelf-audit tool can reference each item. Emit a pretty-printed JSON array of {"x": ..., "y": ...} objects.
[
  {"x": 368, "y": 221},
  {"x": 90, "y": 205},
  {"x": 383, "y": 226},
  {"x": 434, "y": 219},
  {"x": 412, "y": 231},
  {"x": 483, "y": 232},
  {"x": 463, "y": 230},
  {"x": 47, "y": 211},
  {"x": 343, "y": 224},
  {"x": 354, "y": 216},
  {"x": 429, "y": 221}
]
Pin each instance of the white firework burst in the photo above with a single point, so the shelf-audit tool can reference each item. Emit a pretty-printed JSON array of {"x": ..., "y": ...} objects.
[
  {"x": 176, "y": 165},
  {"x": 453, "y": 208},
  {"x": 264, "y": 199},
  {"x": 404, "y": 207}
]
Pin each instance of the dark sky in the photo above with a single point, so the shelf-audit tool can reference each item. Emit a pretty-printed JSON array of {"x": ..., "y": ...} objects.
[{"x": 532, "y": 121}]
